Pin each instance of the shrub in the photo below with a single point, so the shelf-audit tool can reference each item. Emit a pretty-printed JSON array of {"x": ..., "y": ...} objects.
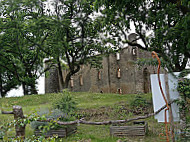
[
  {"x": 65, "y": 103},
  {"x": 1, "y": 134},
  {"x": 64, "y": 109},
  {"x": 54, "y": 114},
  {"x": 139, "y": 102}
]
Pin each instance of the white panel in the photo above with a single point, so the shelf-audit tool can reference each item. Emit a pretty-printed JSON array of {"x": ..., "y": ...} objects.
[
  {"x": 157, "y": 98},
  {"x": 174, "y": 94}
]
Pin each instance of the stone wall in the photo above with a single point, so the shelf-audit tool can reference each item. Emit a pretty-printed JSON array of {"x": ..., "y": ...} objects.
[
  {"x": 52, "y": 81},
  {"x": 119, "y": 74}
]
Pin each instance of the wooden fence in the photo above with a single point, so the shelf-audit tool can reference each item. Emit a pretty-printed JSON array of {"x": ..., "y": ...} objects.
[{"x": 20, "y": 130}]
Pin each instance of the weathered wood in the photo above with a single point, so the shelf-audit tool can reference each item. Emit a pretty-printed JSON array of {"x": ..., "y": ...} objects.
[
  {"x": 20, "y": 130},
  {"x": 62, "y": 132},
  {"x": 7, "y": 112},
  {"x": 139, "y": 130},
  {"x": 18, "y": 114}
]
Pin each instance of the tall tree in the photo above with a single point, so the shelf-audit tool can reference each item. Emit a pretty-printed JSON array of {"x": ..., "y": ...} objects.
[
  {"x": 23, "y": 30},
  {"x": 161, "y": 25},
  {"x": 75, "y": 37}
]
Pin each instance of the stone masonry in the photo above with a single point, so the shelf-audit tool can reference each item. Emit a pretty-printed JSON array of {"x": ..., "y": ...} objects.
[{"x": 119, "y": 74}]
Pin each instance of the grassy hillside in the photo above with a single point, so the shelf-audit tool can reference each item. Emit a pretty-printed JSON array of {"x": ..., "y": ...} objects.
[{"x": 94, "y": 107}]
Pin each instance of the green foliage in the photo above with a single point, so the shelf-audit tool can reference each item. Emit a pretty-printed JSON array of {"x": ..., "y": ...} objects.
[
  {"x": 53, "y": 115},
  {"x": 139, "y": 105},
  {"x": 65, "y": 103},
  {"x": 75, "y": 35},
  {"x": 36, "y": 139},
  {"x": 184, "y": 83},
  {"x": 139, "y": 102},
  {"x": 22, "y": 35},
  {"x": 162, "y": 26},
  {"x": 1, "y": 134},
  {"x": 184, "y": 87},
  {"x": 184, "y": 90},
  {"x": 92, "y": 101},
  {"x": 150, "y": 62}
]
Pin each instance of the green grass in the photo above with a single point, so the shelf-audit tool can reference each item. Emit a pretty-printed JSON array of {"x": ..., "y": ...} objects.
[
  {"x": 97, "y": 106},
  {"x": 84, "y": 99}
]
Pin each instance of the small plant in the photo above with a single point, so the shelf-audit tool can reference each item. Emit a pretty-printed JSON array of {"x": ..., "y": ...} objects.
[
  {"x": 1, "y": 134},
  {"x": 54, "y": 115},
  {"x": 65, "y": 103},
  {"x": 63, "y": 110},
  {"x": 184, "y": 89},
  {"x": 139, "y": 105},
  {"x": 36, "y": 139},
  {"x": 139, "y": 102}
]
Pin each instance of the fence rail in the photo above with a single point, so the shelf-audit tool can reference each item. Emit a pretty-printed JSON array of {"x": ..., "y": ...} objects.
[{"x": 20, "y": 130}]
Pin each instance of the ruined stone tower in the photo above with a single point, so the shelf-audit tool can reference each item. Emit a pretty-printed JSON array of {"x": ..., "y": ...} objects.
[{"x": 119, "y": 74}]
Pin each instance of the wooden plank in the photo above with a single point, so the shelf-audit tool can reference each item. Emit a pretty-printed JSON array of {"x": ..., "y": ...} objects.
[
  {"x": 60, "y": 132},
  {"x": 128, "y": 130}
]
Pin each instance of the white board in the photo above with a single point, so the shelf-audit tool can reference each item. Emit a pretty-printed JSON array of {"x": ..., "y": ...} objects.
[
  {"x": 174, "y": 94},
  {"x": 158, "y": 100}
]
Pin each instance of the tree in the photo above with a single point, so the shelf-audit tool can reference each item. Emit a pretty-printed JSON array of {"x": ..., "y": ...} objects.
[
  {"x": 75, "y": 36},
  {"x": 23, "y": 30},
  {"x": 7, "y": 82},
  {"x": 161, "y": 25}
]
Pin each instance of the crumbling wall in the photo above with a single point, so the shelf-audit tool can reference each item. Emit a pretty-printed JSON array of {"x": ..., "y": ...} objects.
[
  {"x": 120, "y": 74},
  {"x": 52, "y": 81}
]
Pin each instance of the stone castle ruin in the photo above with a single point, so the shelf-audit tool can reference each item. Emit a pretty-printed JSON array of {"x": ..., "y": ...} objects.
[{"x": 119, "y": 74}]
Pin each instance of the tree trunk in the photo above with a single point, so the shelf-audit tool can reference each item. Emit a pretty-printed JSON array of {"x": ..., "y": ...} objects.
[
  {"x": 68, "y": 77},
  {"x": 66, "y": 83},
  {"x": 32, "y": 85},
  {"x": 33, "y": 88},
  {"x": 25, "y": 88},
  {"x": 60, "y": 75}
]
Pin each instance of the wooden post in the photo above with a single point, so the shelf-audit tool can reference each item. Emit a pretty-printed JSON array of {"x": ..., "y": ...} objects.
[
  {"x": 18, "y": 114},
  {"x": 170, "y": 110}
]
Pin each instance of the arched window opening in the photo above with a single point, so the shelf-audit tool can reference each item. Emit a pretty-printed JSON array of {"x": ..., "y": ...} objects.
[
  {"x": 118, "y": 72},
  {"x": 81, "y": 80}
]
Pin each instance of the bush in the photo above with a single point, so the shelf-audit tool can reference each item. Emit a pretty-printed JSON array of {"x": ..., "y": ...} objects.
[
  {"x": 139, "y": 105},
  {"x": 65, "y": 103},
  {"x": 1, "y": 134},
  {"x": 54, "y": 114},
  {"x": 64, "y": 109},
  {"x": 139, "y": 102}
]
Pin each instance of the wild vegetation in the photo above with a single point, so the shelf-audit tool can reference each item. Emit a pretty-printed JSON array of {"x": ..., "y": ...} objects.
[
  {"x": 95, "y": 107},
  {"x": 74, "y": 31}
]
